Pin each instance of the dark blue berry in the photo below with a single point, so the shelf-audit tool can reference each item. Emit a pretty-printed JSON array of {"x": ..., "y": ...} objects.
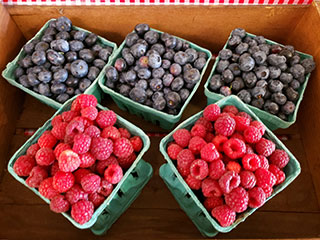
[
  {"x": 237, "y": 84},
  {"x": 156, "y": 95},
  {"x": 215, "y": 82},
  {"x": 200, "y": 63},
  {"x": 159, "y": 48},
  {"x": 138, "y": 50},
  {"x": 84, "y": 84},
  {"x": 44, "y": 89},
  {"x": 275, "y": 86},
  {"x": 175, "y": 69},
  {"x": 80, "y": 35},
  {"x": 225, "y": 91},
  {"x": 181, "y": 58},
  {"x": 38, "y": 57},
  {"x": 292, "y": 95},
  {"x": 19, "y": 72},
  {"x": 131, "y": 39},
  {"x": 227, "y": 76},
  {"x": 76, "y": 45},
  {"x": 60, "y": 45},
  {"x": 271, "y": 107},
  {"x": 93, "y": 73},
  {"x": 58, "y": 88},
  {"x": 276, "y": 60},
  {"x": 245, "y": 96},
  {"x": 288, "y": 108},
  {"x": 87, "y": 55},
  {"x": 235, "y": 69},
  {"x": 260, "y": 57},
  {"x": 297, "y": 70},
  {"x": 61, "y": 75},
  {"x": 166, "y": 64},
  {"x": 308, "y": 64},
  {"x": 91, "y": 39},
  {"x": 275, "y": 72},
  {"x": 112, "y": 74},
  {"x": 225, "y": 54},
  {"x": 138, "y": 95},
  {"x": 104, "y": 54},
  {"x": 124, "y": 90},
  {"x": 129, "y": 58},
  {"x": 246, "y": 62},
  {"x": 192, "y": 54},
  {"x": 262, "y": 72},
  {"x": 265, "y": 48},
  {"x": 47, "y": 38},
  {"x": 286, "y": 77},
  {"x": 130, "y": 76},
  {"x": 156, "y": 84},
  {"x": 169, "y": 54},
  {"x": 191, "y": 76},
  {"x": 79, "y": 68},
  {"x": 260, "y": 39},
  {"x": 23, "y": 80},
  {"x": 242, "y": 48},
  {"x": 144, "y": 73},
  {"x": 142, "y": 84},
  {"x": 177, "y": 84},
  {"x": 70, "y": 91},
  {"x": 234, "y": 41},
  {"x": 141, "y": 29},
  {"x": 249, "y": 79},
  {"x": 184, "y": 94},
  {"x": 99, "y": 63},
  {"x": 154, "y": 60},
  {"x": 279, "y": 98},
  {"x": 167, "y": 79},
  {"x": 159, "y": 103},
  {"x": 239, "y": 32},
  {"x": 158, "y": 72},
  {"x": 295, "y": 84},
  {"x": 186, "y": 67},
  {"x": 42, "y": 46},
  {"x": 61, "y": 98},
  {"x": 54, "y": 57},
  {"x": 63, "y": 24},
  {"x": 77, "y": 92},
  {"x": 32, "y": 79},
  {"x": 29, "y": 47},
  {"x": 258, "y": 92},
  {"x": 258, "y": 103},
  {"x": 72, "y": 81},
  {"x": 173, "y": 100},
  {"x": 170, "y": 42},
  {"x": 151, "y": 37},
  {"x": 71, "y": 56}
]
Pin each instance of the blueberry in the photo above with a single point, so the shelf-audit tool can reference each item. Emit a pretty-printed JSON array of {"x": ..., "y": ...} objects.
[
  {"x": 271, "y": 107},
  {"x": 234, "y": 41},
  {"x": 141, "y": 29},
  {"x": 138, "y": 95},
  {"x": 84, "y": 84},
  {"x": 258, "y": 103},
  {"x": 262, "y": 83},
  {"x": 143, "y": 62},
  {"x": 200, "y": 63},
  {"x": 99, "y": 63},
  {"x": 254, "y": 49},
  {"x": 242, "y": 48},
  {"x": 63, "y": 24},
  {"x": 175, "y": 69},
  {"x": 144, "y": 73},
  {"x": 131, "y": 39},
  {"x": 225, "y": 90},
  {"x": 93, "y": 73},
  {"x": 202, "y": 55},
  {"x": 18, "y": 72},
  {"x": 23, "y": 80},
  {"x": 225, "y": 54},
  {"x": 192, "y": 54},
  {"x": 32, "y": 79},
  {"x": 235, "y": 69},
  {"x": 29, "y": 47},
  {"x": 274, "y": 72},
  {"x": 41, "y": 46},
  {"x": 166, "y": 64},
  {"x": 286, "y": 77},
  {"x": 37, "y": 69},
  {"x": 91, "y": 39},
  {"x": 44, "y": 89},
  {"x": 215, "y": 82},
  {"x": 276, "y": 60},
  {"x": 265, "y": 48},
  {"x": 283, "y": 67},
  {"x": 166, "y": 90},
  {"x": 167, "y": 79},
  {"x": 249, "y": 79},
  {"x": 128, "y": 56},
  {"x": 158, "y": 72},
  {"x": 179, "y": 44},
  {"x": 222, "y": 65},
  {"x": 70, "y": 91},
  {"x": 124, "y": 90},
  {"x": 169, "y": 54},
  {"x": 54, "y": 57},
  {"x": 159, "y": 48},
  {"x": 87, "y": 55},
  {"x": 164, "y": 36},
  {"x": 227, "y": 76},
  {"x": 295, "y": 84},
  {"x": 288, "y": 108},
  {"x": 77, "y": 92},
  {"x": 50, "y": 31},
  {"x": 55, "y": 68},
  {"x": 190, "y": 86},
  {"x": 47, "y": 38},
  {"x": 246, "y": 62},
  {"x": 142, "y": 41},
  {"x": 276, "y": 48},
  {"x": 235, "y": 57},
  {"x": 61, "y": 75},
  {"x": 26, "y": 62},
  {"x": 295, "y": 59},
  {"x": 154, "y": 60},
  {"x": 308, "y": 64},
  {"x": 239, "y": 32},
  {"x": 79, "y": 68},
  {"x": 275, "y": 86},
  {"x": 138, "y": 50},
  {"x": 142, "y": 84},
  {"x": 104, "y": 54},
  {"x": 177, "y": 84},
  {"x": 159, "y": 103},
  {"x": 61, "y": 98},
  {"x": 110, "y": 84},
  {"x": 262, "y": 72},
  {"x": 120, "y": 64},
  {"x": 184, "y": 94},
  {"x": 181, "y": 58},
  {"x": 156, "y": 95},
  {"x": 47, "y": 65},
  {"x": 282, "y": 116},
  {"x": 173, "y": 100},
  {"x": 170, "y": 42},
  {"x": 112, "y": 74},
  {"x": 75, "y": 45},
  {"x": 156, "y": 84},
  {"x": 130, "y": 76},
  {"x": 80, "y": 35},
  {"x": 149, "y": 93},
  {"x": 297, "y": 70},
  {"x": 285, "y": 52},
  {"x": 58, "y": 88},
  {"x": 63, "y": 35},
  {"x": 258, "y": 92},
  {"x": 38, "y": 57},
  {"x": 186, "y": 67},
  {"x": 267, "y": 95},
  {"x": 260, "y": 39},
  {"x": 292, "y": 95},
  {"x": 237, "y": 84},
  {"x": 191, "y": 76},
  {"x": 96, "y": 48},
  {"x": 245, "y": 96},
  {"x": 260, "y": 57},
  {"x": 279, "y": 98},
  {"x": 151, "y": 37}
]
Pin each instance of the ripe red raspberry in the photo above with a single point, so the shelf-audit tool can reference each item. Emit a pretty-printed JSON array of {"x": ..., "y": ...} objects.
[
  {"x": 67, "y": 116},
  {"x": 225, "y": 126},
  {"x": 224, "y": 215},
  {"x": 106, "y": 118},
  {"x": 199, "y": 169},
  {"x": 233, "y": 166},
  {"x": 230, "y": 109},
  {"x": 241, "y": 123},
  {"x": 247, "y": 179},
  {"x": 211, "y": 112},
  {"x": 111, "y": 132},
  {"x": 74, "y": 127},
  {"x": 86, "y": 160},
  {"x": 193, "y": 183},
  {"x": 264, "y": 162},
  {"x": 86, "y": 100},
  {"x": 68, "y": 139},
  {"x": 57, "y": 119},
  {"x": 196, "y": 144},
  {"x": 60, "y": 148},
  {"x": 86, "y": 122},
  {"x": 113, "y": 174},
  {"x": 173, "y": 151},
  {"x": 97, "y": 199},
  {"x": 252, "y": 134},
  {"x": 125, "y": 163},
  {"x": 59, "y": 204},
  {"x": 209, "y": 152},
  {"x": 136, "y": 143},
  {"x": 211, "y": 188},
  {"x": 69, "y": 161},
  {"x": 219, "y": 141},
  {"x": 122, "y": 148},
  {"x": 32, "y": 150},
  {"x": 209, "y": 137},
  {"x": 124, "y": 133},
  {"x": 90, "y": 183},
  {"x": 101, "y": 148},
  {"x": 102, "y": 165},
  {"x": 237, "y": 199},
  {"x": 259, "y": 125},
  {"x": 63, "y": 181},
  {"x": 82, "y": 211},
  {"x": 229, "y": 181},
  {"x": 81, "y": 143},
  {"x": 90, "y": 113},
  {"x": 198, "y": 130},
  {"x": 234, "y": 148},
  {"x": 265, "y": 178},
  {"x": 279, "y": 158},
  {"x": 54, "y": 168},
  {"x": 268, "y": 191},
  {"x": 23, "y": 165},
  {"x": 76, "y": 194},
  {"x": 224, "y": 114},
  {"x": 80, "y": 173},
  {"x": 206, "y": 123},
  {"x": 251, "y": 162},
  {"x": 226, "y": 159},
  {"x": 45, "y": 156},
  {"x": 265, "y": 147},
  {"x": 59, "y": 130},
  {"x": 47, "y": 140},
  {"x": 244, "y": 114},
  {"x": 238, "y": 136},
  {"x": 105, "y": 188},
  {"x": 182, "y": 137},
  {"x": 257, "y": 197},
  {"x": 184, "y": 160},
  {"x": 46, "y": 189},
  {"x": 280, "y": 175},
  {"x": 249, "y": 149},
  {"x": 92, "y": 131},
  {"x": 36, "y": 176},
  {"x": 216, "y": 169},
  {"x": 212, "y": 202}
]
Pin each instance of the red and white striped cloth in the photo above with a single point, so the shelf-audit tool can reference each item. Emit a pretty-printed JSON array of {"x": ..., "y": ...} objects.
[{"x": 153, "y": 2}]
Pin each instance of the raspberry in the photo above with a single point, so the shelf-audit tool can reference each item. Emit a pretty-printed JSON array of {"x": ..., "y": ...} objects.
[
  {"x": 74, "y": 127},
  {"x": 125, "y": 163},
  {"x": 224, "y": 114},
  {"x": 238, "y": 136},
  {"x": 54, "y": 168},
  {"x": 173, "y": 151},
  {"x": 92, "y": 131},
  {"x": 280, "y": 176},
  {"x": 59, "y": 130},
  {"x": 209, "y": 152},
  {"x": 90, "y": 183},
  {"x": 101, "y": 148},
  {"x": 105, "y": 188},
  {"x": 224, "y": 215},
  {"x": 216, "y": 169},
  {"x": 111, "y": 132},
  {"x": 182, "y": 137},
  {"x": 67, "y": 116},
  {"x": 46, "y": 189},
  {"x": 237, "y": 199},
  {"x": 90, "y": 113},
  {"x": 259, "y": 125},
  {"x": 23, "y": 165},
  {"x": 136, "y": 143},
  {"x": 86, "y": 122},
  {"x": 233, "y": 166},
  {"x": 251, "y": 162},
  {"x": 69, "y": 161},
  {"x": 206, "y": 123},
  {"x": 212, "y": 202},
  {"x": 32, "y": 150},
  {"x": 234, "y": 148},
  {"x": 211, "y": 112},
  {"x": 102, "y": 165},
  {"x": 60, "y": 148},
  {"x": 113, "y": 173},
  {"x": 265, "y": 147},
  {"x": 122, "y": 148},
  {"x": 45, "y": 156},
  {"x": 193, "y": 183},
  {"x": 199, "y": 169},
  {"x": 225, "y": 126},
  {"x": 198, "y": 130},
  {"x": 63, "y": 181},
  {"x": 196, "y": 144},
  {"x": 106, "y": 118},
  {"x": 86, "y": 160},
  {"x": 96, "y": 199},
  {"x": 257, "y": 197},
  {"x": 86, "y": 100},
  {"x": 230, "y": 109},
  {"x": 265, "y": 178},
  {"x": 279, "y": 158},
  {"x": 247, "y": 179},
  {"x": 82, "y": 211},
  {"x": 36, "y": 176},
  {"x": 229, "y": 181},
  {"x": 252, "y": 134},
  {"x": 209, "y": 137},
  {"x": 59, "y": 204},
  {"x": 68, "y": 139},
  {"x": 249, "y": 149},
  {"x": 75, "y": 106},
  {"x": 80, "y": 173},
  {"x": 211, "y": 188},
  {"x": 219, "y": 141},
  {"x": 124, "y": 133},
  {"x": 268, "y": 191},
  {"x": 244, "y": 114},
  {"x": 57, "y": 119},
  {"x": 76, "y": 194},
  {"x": 264, "y": 163},
  {"x": 81, "y": 143},
  {"x": 47, "y": 140},
  {"x": 184, "y": 160},
  {"x": 241, "y": 123}
]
